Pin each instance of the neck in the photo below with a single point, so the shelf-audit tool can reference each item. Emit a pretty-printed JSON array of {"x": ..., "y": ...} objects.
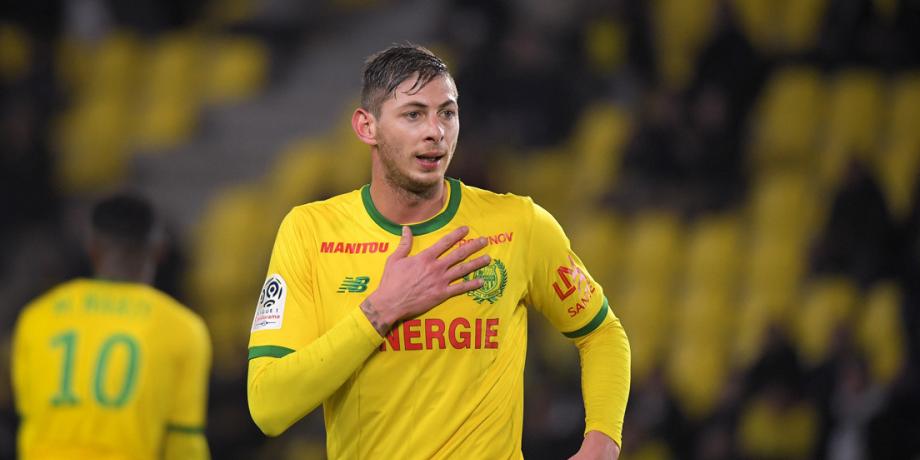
[
  {"x": 403, "y": 206},
  {"x": 116, "y": 270}
]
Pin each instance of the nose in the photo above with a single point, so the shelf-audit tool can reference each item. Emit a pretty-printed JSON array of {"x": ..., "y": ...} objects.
[{"x": 434, "y": 130}]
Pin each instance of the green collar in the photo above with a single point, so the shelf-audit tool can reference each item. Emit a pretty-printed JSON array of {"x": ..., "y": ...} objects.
[{"x": 421, "y": 228}]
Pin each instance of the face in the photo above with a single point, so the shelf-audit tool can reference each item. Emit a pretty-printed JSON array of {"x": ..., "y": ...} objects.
[{"x": 416, "y": 134}]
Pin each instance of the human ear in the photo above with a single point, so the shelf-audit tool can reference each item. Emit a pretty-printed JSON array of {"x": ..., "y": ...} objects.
[{"x": 365, "y": 126}]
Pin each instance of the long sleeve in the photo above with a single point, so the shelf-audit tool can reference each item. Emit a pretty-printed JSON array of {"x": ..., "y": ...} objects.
[
  {"x": 605, "y": 378},
  {"x": 285, "y": 385},
  {"x": 566, "y": 294}
]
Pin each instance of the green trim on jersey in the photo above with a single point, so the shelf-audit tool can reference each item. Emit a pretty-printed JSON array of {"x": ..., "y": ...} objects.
[
  {"x": 430, "y": 225},
  {"x": 184, "y": 429},
  {"x": 592, "y": 325},
  {"x": 271, "y": 351}
]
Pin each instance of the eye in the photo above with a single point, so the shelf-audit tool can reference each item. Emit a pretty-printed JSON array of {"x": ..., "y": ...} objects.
[
  {"x": 448, "y": 114},
  {"x": 414, "y": 115}
]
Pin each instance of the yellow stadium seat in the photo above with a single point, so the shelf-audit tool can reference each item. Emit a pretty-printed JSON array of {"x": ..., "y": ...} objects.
[
  {"x": 754, "y": 320},
  {"x": 299, "y": 174},
  {"x": 114, "y": 70},
  {"x": 15, "y": 52},
  {"x": 171, "y": 97},
  {"x": 898, "y": 167},
  {"x": 853, "y": 122},
  {"x": 801, "y": 24},
  {"x": 649, "y": 450},
  {"x": 827, "y": 305},
  {"x": 757, "y": 18},
  {"x": 238, "y": 68},
  {"x": 352, "y": 159},
  {"x": 903, "y": 102},
  {"x": 654, "y": 249},
  {"x": 598, "y": 242},
  {"x": 597, "y": 145},
  {"x": 230, "y": 247},
  {"x": 645, "y": 314},
  {"x": 787, "y": 118},
  {"x": 544, "y": 174},
  {"x": 786, "y": 207},
  {"x": 773, "y": 275},
  {"x": 682, "y": 28},
  {"x": 699, "y": 360},
  {"x": 781, "y": 26},
  {"x": 773, "y": 429},
  {"x": 881, "y": 334},
  {"x": 92, "y": 143},
  {"x": 605, "y": 45},
  {"x": 713, "y": 253}
]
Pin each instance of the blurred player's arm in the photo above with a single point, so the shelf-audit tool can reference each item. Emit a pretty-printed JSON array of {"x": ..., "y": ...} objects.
[
  {"x": 564, "y": 292},
  {"x": 185, "y": 439}
]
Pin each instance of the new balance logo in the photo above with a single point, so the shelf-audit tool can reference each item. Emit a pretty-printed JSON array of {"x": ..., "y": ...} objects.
[{"x": 356, "y": 284}]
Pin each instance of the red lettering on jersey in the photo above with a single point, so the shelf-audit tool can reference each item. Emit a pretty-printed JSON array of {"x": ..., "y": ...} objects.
[
  {"x": 434, "y": 330},
  {"x": 574, "y": 310},
  {"x": 409, "y": 333},
  {"x": 393, "y": 339},
  {"x": 353, "y": 248},
  {"x": 563, "y": 273},
  {"x": 459, "y": 340},
  {"x": 491, "y": 332},
  {"x": 478, "y": 333}
]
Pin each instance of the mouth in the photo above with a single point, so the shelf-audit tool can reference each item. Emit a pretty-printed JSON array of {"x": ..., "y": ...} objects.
[{"x": 430, "y": 159}]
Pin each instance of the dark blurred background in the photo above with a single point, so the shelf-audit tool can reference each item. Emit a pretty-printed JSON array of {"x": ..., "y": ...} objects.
[{"x": 740, "y": 176}]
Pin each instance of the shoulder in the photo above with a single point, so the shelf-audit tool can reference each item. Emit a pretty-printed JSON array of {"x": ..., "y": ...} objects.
[
  {"x": 47, "y": 299},
  {"x": 507, "y": 203},
  {"x": 177, "y": 316},
  {"x": 339, "y": 203},
  {"x": 305, "y": 216}
]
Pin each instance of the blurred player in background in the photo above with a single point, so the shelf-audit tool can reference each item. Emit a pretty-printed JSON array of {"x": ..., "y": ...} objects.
[
  {"x": 401, "y": 307},
  {"x": 109, "y": 367}
]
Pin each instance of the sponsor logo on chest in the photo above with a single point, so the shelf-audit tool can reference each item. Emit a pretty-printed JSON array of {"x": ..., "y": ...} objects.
[{"x": 336, "y": 247}]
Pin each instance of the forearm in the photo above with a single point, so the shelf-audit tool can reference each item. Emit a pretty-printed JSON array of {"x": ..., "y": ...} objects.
[
  {"x": 283, "y": 390},
  {"x": 186, "y": 446},
  {"x": 605, "y": 366}
]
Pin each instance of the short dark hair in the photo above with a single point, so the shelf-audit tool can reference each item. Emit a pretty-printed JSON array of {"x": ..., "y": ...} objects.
[
  {"x": 125, "y": 220},
  {"x": 387, "y": 69}
]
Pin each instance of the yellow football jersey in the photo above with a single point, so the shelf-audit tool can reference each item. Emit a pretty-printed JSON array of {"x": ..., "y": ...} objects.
[
  {"x": 104, "y": 369},
  {"x": 446, "y": 384}
]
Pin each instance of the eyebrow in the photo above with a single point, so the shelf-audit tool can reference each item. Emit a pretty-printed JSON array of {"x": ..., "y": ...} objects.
[{"x": 421, "y": 105}]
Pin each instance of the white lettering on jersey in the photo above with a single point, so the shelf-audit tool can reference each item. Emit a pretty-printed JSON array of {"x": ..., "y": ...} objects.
[{"x": 270, "y": 309}]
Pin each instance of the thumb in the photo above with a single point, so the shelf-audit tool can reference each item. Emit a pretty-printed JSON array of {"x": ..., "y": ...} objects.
[{"x": 405, "y": 244}]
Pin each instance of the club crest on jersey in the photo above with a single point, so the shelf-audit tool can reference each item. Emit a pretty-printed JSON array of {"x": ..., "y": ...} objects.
[
  {"x": 494, "y": 277},
  {"x": 270, "y": 309}
]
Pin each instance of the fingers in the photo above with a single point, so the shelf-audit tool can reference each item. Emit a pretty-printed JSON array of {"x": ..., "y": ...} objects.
[
  {"x": 446, "y": 242},
  {"x": 463, "y": 287},
  {"x": 461, "y": 270},
  {"x": 464, "y": 251},
  {"x": 405, "y": 244}
]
